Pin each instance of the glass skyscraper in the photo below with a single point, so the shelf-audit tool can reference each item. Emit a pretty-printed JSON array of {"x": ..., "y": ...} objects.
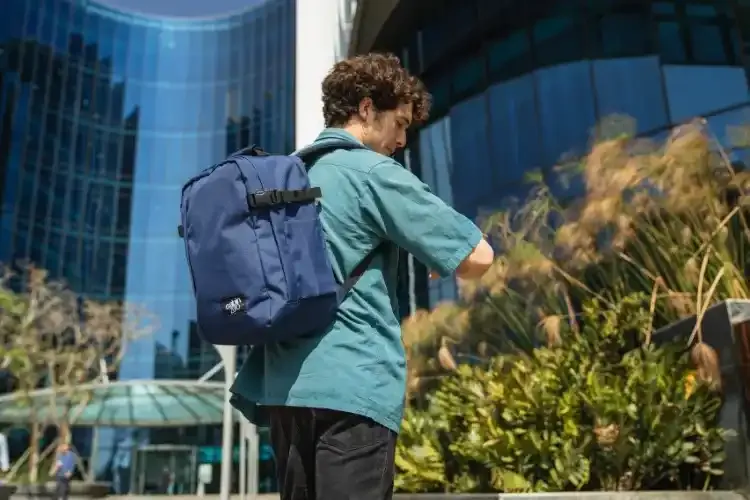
[
  {"x": 104, "y": 115},
  {"x": 521, "y": 85}
]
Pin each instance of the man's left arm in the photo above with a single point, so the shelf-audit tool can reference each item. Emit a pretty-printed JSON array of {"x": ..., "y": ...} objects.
[{"x": 404, "y": 210}]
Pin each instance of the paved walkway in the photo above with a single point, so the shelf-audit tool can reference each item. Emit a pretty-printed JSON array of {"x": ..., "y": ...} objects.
[{"x": 189, "y": 497}]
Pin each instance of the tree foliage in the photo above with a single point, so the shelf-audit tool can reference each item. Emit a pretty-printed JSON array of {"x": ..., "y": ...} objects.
[{"x": 51, "y": 337}]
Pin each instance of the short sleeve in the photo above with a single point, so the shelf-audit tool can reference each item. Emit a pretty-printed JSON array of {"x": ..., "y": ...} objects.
[{"x": 405, "y": 211}]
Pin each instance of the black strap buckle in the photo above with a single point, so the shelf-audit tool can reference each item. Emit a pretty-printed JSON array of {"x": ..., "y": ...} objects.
[{"x": 264, "y": 199}]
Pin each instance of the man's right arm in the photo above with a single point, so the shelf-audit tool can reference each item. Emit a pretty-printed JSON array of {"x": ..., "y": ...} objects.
[{"x": 405, "y": 211}]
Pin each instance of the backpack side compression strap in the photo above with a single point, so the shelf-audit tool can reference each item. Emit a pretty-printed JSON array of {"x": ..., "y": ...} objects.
[{"x": 272, "y": 198}]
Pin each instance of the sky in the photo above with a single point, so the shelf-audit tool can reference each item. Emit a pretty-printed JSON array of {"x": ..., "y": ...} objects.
[{"x": 180, "y": 8}]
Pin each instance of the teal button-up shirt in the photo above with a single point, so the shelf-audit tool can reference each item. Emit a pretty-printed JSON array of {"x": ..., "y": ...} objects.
[{"x": 358, "y": 365}]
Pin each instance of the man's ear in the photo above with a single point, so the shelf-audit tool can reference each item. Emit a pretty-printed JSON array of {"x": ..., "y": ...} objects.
[{"x": 366, "y": 109}]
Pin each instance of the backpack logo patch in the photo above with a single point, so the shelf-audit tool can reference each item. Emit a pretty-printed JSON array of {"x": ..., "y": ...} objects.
[{"x": 234, "y": 306}]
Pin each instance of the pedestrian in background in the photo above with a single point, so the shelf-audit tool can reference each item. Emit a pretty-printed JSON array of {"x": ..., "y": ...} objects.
[{"x": 63, "y": 469}]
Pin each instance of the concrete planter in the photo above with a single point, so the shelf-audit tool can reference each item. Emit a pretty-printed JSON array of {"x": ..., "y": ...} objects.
[
  {"x": 78, "y": 490},
  {"x": 593, "y": 495},
  {"x": 726, "y": 328},
  {"x": 6, "y": 490},
  {"x": 445, "y": 496},
  {"x": 628, "y": 495}
]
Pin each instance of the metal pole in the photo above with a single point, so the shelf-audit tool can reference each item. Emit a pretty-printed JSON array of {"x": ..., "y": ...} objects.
[
  {"x": 213, "y": 371},
  {"x": 253, "y": 452},
  {"x": 229, "y": 358},
  {"x": 94, "y": 455},
  {"x": 243, "y": 460}
]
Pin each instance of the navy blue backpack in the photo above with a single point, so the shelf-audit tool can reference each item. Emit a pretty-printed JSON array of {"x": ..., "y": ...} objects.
[{"x": 257, "y": 252}]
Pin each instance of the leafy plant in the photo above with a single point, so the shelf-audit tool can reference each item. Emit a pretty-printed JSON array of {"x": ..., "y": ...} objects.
[
  {"x": 666, "y": 220},
  {"x": 419, "y": 454},
  {"x": 590, "y": 413}
]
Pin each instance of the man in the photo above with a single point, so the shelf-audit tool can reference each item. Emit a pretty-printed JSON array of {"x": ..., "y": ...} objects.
[
  {"x": 65, "y": 465},
  {"x": 334, "y": 401}
]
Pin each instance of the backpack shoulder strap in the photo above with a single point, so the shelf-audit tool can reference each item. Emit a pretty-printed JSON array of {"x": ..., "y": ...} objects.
[
  {"x": 309, "y": 154},
  {"x": 252, "y": 150},
  {"x": 360, "y": 269}
]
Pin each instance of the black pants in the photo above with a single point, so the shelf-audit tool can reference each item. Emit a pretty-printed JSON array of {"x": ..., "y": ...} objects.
[
  {"x": 62, "y": 488},
  {"x": 331, "y": 455}
]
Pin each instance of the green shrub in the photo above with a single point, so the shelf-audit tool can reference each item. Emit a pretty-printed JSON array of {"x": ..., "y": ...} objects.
[
  {"x": 667, "y": 218},
  {"x": 604, "y": 410}
]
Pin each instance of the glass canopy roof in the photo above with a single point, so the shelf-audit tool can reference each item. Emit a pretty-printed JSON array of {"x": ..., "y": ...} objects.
[{"x": 131, "y": 403}]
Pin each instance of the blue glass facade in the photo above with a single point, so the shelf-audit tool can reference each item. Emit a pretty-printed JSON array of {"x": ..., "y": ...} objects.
[
  {"x": 520, "y": 86},
  {"x": 103, "y": 116}
]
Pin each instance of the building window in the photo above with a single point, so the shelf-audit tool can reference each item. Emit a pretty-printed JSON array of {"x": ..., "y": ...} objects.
[
  {"x": 559, "y": 40},
  {"x": 671, "y": 42},
  {"x": 663, "y": 8},
  {"x": 441, "y": 96},
  {"x": 712, "y": 38},
  {"x": 624, "y": 35},
  {"x": 469, "y": 78},
  {"x": 707, "y": 44},
  {"x": 510, "y": 56},
  {"x": 436, "y": 37},
  {"x": 696, "y": 32},
  {"x": 742, "y": 21}
]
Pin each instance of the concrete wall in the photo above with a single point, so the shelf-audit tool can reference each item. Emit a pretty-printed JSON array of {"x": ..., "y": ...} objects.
[{"x": 323, "y": 31}]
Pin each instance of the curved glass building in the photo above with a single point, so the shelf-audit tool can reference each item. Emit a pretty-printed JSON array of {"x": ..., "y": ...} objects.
[
  {"x": 103, "y": 116},
  {"x": 520, "y": 85}
]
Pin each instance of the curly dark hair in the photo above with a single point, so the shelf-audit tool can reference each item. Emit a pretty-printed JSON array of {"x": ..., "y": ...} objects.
[{"x": 377, "y": 76}]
